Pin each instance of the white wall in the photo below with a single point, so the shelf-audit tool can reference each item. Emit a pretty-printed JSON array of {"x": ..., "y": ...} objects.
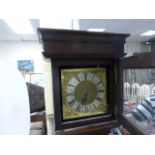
[
  {"x": 135, "y": 47},
  {"x": 48, "y": 97},
  {"x": 11, "y": 51}
]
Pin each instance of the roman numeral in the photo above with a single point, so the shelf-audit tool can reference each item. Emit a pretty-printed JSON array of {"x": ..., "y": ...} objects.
[
  {"x": 85, "y": 75},
  {"x": 99, "y": 99},
  {"x": 71, "y": 85},
  {"x": 86, "y": 109},
  {"x": 94, "y": 106},
  {"x": 78, "y": 108},
  {"x": 70, "y": 94},
  {"x": 100, "y": 91},
  {"x": 77, "y": 78},
  {"x": 93, "y": 77},
  {"x": 72, "y": 102},
  {"x": 98, "y": 83}
]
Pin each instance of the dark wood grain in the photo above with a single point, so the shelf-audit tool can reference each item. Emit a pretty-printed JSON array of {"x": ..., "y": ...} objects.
[
  {"x": 77, "y": 49},
  {"x": 57, "y": 65},
  {"x": 94, "y": 129},
  {"x": 142, "y": 60},
  {"x": 81, "y": 42}
]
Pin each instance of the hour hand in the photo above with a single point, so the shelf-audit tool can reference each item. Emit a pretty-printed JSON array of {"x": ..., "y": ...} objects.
[{"x": 85, "y": 98}]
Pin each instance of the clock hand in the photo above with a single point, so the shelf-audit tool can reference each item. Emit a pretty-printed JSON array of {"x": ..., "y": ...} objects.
[{"x": 85, "y": 97}]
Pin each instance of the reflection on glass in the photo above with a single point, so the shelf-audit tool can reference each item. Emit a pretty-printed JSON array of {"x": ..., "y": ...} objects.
[{"x": 139, "y": 97}]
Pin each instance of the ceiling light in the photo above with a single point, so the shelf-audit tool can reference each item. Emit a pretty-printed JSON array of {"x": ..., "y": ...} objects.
[
  {"x": 20, "y": 26},
  {"x": 96, "y": 30},
  {"x": 148, "y": 33}
]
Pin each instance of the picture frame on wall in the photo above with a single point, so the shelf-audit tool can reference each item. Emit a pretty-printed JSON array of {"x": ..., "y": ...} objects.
[{"x": 25, "y": 65}]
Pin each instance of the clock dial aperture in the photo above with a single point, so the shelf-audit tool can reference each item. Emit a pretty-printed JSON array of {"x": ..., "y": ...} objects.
[{"x": 84, "y": 92}]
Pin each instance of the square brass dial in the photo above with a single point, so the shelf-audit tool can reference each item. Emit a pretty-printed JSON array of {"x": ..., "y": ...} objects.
[{"x": 84, "y": 92}]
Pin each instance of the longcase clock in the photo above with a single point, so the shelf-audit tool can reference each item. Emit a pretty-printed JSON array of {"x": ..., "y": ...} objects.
[{"x": 85, "y": 79}]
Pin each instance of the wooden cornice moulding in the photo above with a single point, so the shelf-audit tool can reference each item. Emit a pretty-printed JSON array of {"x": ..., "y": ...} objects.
[
  {"x": 141, "y": 60},
  {"x": 72, "y": 42}
]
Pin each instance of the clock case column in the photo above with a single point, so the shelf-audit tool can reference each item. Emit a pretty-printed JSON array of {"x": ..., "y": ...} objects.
[{"x": 81, "y": 49}]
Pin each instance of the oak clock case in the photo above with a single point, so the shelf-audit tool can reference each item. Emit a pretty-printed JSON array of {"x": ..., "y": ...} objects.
[
  {"x": 85, "y": 74},
  {"x": 84, "y": 92}
]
